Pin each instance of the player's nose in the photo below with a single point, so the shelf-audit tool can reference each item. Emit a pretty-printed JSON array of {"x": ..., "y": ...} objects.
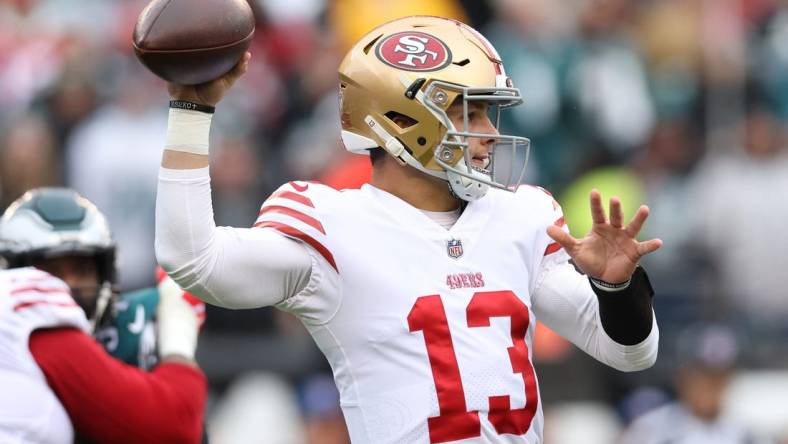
[{"x": 487, "y": 127}]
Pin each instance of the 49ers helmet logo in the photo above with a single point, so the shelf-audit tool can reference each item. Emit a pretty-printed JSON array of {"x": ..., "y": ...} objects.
[{"x": 413, "y": 51}]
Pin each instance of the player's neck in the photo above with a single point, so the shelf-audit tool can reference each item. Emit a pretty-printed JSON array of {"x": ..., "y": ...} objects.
[{"x": 414, "y": 187}]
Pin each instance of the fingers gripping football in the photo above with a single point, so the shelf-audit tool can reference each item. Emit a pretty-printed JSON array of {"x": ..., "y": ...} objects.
[{"x": 210, "y": 93}]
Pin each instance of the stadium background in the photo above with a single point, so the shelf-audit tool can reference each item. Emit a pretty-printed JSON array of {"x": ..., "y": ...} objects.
[{"x": 681, "y": 104}]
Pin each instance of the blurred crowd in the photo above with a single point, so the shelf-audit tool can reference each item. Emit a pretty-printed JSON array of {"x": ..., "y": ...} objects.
[{"x": 679, "y": 104}]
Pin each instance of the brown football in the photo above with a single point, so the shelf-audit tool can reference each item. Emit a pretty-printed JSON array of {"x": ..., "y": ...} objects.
[{"x": 193, "y": 41}]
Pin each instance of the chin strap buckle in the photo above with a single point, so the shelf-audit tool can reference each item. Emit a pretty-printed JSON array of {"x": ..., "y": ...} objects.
[{"x": 391, "y": 144}]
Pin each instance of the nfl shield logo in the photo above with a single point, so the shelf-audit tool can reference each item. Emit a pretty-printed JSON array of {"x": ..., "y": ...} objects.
[{"x": 454, "y": 248}]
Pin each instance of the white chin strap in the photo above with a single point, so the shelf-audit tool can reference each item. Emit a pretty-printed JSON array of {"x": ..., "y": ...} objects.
[
  {"x": 466, "y": 188},
  {"x": 394, "y": 147},
  {"x": 102, "y": 303},
  {"x": 463, "y": 187}
]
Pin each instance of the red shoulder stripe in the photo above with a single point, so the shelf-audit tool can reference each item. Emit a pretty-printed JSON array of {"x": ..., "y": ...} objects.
[
  {"x": 555, "y": 246},
  {"x": 298, "y": 187},
  {"x": 309, "y": 220},
  {"x": 298, "y": 234},
  {"x": 552, "y": 248},
  {"x": 284, "y": 194},
  {"x": 22, "y": 305}
]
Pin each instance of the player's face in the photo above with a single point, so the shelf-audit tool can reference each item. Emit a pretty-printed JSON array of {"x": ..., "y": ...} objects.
[
  {"x": 79, "y": 273},
  {"x": 478, "y": 122}
]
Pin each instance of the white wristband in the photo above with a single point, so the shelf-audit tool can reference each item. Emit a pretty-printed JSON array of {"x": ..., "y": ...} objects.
[
  {"x": 607, "y": 286},
  {"x": 188, "y": 131}
]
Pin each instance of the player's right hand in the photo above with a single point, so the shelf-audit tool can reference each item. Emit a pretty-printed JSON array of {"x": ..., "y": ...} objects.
[{"x": 210, "y": 93}]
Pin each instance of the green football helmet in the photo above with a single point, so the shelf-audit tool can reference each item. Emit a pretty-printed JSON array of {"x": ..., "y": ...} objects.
[{"x": 47, "y": 224}]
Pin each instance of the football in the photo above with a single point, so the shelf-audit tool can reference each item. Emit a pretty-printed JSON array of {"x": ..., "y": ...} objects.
[{"x": 193, "y": 41}]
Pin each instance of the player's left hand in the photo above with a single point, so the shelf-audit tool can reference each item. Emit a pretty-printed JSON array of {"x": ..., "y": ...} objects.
[{"x": 610, "y": 251}]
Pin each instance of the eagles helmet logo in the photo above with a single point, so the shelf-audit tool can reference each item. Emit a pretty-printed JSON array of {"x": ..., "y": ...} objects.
[{"x": 413, "y": 51}]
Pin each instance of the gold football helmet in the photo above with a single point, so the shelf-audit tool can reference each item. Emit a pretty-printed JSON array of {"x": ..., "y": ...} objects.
[{"x": 418, "y": 67}]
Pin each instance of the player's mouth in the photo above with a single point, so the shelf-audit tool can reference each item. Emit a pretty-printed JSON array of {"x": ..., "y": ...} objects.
[{"x": 480, "y": 164}]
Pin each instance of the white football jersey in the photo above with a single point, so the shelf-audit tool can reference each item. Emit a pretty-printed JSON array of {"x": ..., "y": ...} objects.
[
  {"x": 29, "y": 411},
  {"x": 428, "y": 331}
]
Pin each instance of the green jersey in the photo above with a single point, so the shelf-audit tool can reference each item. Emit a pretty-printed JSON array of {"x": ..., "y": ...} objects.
[{"x": 131, "y": 335}]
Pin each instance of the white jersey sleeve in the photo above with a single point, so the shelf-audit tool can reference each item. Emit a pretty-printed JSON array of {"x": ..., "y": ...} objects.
[
  {"x": 295, "y": 210},
  {"x": 282, "y": 260},
  {"x": 225, "y": 266},
  {"x": 29, "y": 300},
  {"x": 565, "y": 302}
]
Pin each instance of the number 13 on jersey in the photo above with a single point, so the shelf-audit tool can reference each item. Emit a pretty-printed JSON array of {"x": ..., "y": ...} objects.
[{"x": 455, "y": 422}]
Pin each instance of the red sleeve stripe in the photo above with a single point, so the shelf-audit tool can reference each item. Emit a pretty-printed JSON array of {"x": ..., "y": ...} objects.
[
  {"x": 552, "y": 248},
  {"x": 295, "y": 214},
  {"x": 27, "y": 304},
  {"x": 560, "y": 222},
  {"x": 298, "y": 234},
  {"x": 37, "y": 289},
  {"x": 160, "y": 274},
  {"x": 284, "y": 194}
]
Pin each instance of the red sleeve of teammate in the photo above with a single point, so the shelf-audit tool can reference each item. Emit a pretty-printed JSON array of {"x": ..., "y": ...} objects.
[{"x": 109, "y": 401}]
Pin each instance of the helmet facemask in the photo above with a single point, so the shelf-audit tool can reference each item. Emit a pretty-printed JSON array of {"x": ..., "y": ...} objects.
[{"x": 507, "y": 155}]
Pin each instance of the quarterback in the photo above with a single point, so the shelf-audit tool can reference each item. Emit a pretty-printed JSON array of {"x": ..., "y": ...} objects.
[{"x": 423, "y": 287}]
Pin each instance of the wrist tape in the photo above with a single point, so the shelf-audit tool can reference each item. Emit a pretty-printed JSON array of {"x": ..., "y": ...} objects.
[{"x": 188, "y": 131}]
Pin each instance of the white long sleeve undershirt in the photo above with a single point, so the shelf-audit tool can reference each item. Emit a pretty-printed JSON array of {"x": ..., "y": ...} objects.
[{"x": 225, "y": 266}]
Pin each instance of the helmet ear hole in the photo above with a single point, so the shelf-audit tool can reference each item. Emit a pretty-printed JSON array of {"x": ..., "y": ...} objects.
[
  {"x": 421, "y": 141},
  {"x": 401, "y": 120}
]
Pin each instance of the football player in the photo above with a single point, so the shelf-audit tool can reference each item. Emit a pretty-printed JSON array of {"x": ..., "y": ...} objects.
[
  {"x": 57, "y": 290},
  {"x": 423, "y": 287}
]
